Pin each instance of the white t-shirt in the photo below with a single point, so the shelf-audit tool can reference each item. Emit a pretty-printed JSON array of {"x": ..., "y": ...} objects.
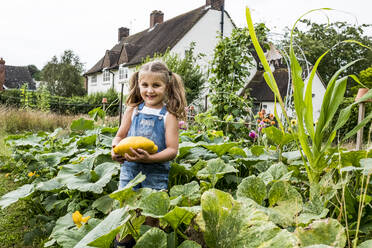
[{"x": 149, "y": 111}]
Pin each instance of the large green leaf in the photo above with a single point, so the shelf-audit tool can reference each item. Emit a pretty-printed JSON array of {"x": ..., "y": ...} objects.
[
  {"x": 366, "y": 244},
  {"x": 327, "y": 232},
  {"x": 104, "y": 233},
  {"x": 177, "y": 216},
  {"x": 277, "y": 136},
  {"x": 27, "y": 140},
  {"x": 87, "y": 141},
  {"x": 242, "y": 223},
  {"x": 285, "y": 203},
  {"x": 252, "y": 187},
  {"x": 52, "y": 202},
  {"x": 189, "y": 192},
  {"x": 221, "y": 217},
  {"x": 156, "y": 204},
  {"x": 70, "y": 237},
  {"x": 184, "y": 148},
  {"x": 366, "y": 164},
  {"x": 127, "y": 192},
  {"x": 105, "y": 204},
  {"x": 189, "y": 244},
  {"x": 215, "y": 170},
  {"x": 276, "y": 172},
  {"x": 152, "y": 238},
  {"x": 50, "y": 185},
  {"x": 81, "y": 178},
  {"x": 13, "y": 196},
  {"x": 281, "y": 192},
  {"x": 221, "y": 148},
  {"x": 66, "y": 234},
  {"x": 312, "y": 210},
  {"x": 82, "y": 125}
]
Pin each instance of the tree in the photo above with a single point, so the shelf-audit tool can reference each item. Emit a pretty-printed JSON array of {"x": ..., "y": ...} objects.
[
  {"x": 64, "y": 76},
  {"x": 234, "y": 56},
  {"x": 318, "y": 38},
  {"x": 34, "y": 71}
]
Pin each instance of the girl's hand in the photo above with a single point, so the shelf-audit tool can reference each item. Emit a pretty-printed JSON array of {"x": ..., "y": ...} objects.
[
  {"x": 116, "y": 157},
  {"x": 139, "y": 155}
]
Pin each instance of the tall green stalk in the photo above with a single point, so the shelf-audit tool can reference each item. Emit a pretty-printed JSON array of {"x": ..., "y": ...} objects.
[{"x": 314, "y": 148}]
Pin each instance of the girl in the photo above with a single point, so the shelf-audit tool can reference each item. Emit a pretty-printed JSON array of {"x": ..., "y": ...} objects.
[{"x": 155, "y": 103}]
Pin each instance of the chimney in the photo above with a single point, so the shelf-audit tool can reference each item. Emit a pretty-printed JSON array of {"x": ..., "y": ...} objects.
[
  {"x": 215, "y": 4},
  {"x": 2, "y": 74},
  {"x": 122, "y": 33},
  {"x": 156, "y": 17}
]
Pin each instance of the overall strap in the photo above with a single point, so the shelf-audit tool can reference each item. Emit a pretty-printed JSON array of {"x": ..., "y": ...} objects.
[
  {"x": 163, "y": 110},
  {"x": 140, "y": 107}
]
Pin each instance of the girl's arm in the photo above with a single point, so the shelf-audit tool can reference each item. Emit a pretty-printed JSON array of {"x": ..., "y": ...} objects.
[
  {"x": 122, "y": 133},
  {"x": 171, "y": 141}
]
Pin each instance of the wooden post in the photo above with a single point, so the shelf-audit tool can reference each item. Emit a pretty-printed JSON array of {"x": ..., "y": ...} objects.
[
  {"x": 361, "y": 93},
  {"x": 104, "y": 102},
  {"x": 359, "y": 141},
  {"x": 206, "y": 103},
  {"x": 121, "y": 103}
]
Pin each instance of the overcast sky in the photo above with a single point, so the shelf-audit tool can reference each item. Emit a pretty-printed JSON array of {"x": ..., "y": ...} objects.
[{"x": 33, "y": 31}]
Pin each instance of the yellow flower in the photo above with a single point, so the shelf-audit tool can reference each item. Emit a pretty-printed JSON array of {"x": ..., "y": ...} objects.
[
  {"x": 82, "y": 158},
  {"x": 79, "y": 219},
  {"x": 293, "y": 122},
  {"x": 30, "y": 174},
  {"x": 7, "y": 175}
]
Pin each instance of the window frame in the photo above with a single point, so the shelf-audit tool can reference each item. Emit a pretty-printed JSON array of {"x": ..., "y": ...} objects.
[{"x": 106, "y": 76}]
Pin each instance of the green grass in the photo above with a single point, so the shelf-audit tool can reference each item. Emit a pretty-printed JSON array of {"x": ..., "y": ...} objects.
[{"x": 14, "y": 219}]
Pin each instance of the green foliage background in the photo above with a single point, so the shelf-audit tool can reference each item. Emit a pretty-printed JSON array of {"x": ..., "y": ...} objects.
[
  {"x": 63, "y": 76},
  {"x": 314, "y": 39}
]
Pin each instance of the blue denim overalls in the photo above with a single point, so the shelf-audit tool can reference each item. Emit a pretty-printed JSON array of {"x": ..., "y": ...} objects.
[{"x": 152, "y": 127}]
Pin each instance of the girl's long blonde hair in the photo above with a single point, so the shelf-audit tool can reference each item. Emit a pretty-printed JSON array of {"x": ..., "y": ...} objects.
[{"x": 175, "y": 91}]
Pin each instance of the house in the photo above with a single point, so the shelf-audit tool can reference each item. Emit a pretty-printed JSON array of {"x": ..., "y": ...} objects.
[
  {"x": 263, "y": 95},
  {"x": 200, "y": 25},
  {"x": 13, "y": 77}
]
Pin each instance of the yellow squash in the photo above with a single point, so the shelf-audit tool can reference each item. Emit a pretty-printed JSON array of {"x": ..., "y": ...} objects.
[{"x": 135, "y": 142}]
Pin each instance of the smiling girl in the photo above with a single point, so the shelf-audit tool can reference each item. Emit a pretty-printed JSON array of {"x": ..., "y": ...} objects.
[{"x": 155, "y": 104}]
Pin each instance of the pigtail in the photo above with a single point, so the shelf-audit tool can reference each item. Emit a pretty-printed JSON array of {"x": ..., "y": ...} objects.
[
  {"x": 134, "y": 97},
  {"x": 176, "y": 96}
]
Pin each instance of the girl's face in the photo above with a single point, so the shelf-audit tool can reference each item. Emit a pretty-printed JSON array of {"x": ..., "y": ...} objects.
[{"x": 152, "y": 89}]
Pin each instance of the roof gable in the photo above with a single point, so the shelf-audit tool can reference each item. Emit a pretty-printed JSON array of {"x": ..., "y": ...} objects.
[
  {"x": 133, "y": 49},
  {"x": 262, "y": 92}
]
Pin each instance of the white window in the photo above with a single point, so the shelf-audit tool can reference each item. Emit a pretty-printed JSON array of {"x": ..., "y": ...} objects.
[
  {"x": 93, "y": 79},
  {"x": 106, "y": 75},
  {"x": 123, "y": 73}
]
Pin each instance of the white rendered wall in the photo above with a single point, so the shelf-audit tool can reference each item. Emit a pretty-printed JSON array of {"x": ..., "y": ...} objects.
[
  {"x": 205, "y": 35},
  {"x": 101, "y": 86},
  {"x": 318, "y": 92}
]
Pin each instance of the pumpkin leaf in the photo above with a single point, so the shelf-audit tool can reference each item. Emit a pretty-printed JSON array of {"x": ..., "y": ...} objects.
[
  {"x": 215, "y": 170},
  {"x": 152, "y": 238},
  {"x": 252, "y": 187},
  {"x": 82, "y": 125},
  {"x": 13, "y": 196},
  {"x": 327, "y": 232}
]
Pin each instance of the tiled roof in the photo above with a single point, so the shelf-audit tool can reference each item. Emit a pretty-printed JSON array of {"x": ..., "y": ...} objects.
[
  {"x": 16, "y": 76},
  {"x": 259, "y": 89},
  {"x": 133, "y": 49}
]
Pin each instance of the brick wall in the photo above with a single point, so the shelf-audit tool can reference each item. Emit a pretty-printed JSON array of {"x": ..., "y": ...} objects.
[{"x": 2, "y": 74}]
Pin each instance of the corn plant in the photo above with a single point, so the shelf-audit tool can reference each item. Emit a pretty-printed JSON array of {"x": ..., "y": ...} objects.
[{"x": 314, "y": 142}]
